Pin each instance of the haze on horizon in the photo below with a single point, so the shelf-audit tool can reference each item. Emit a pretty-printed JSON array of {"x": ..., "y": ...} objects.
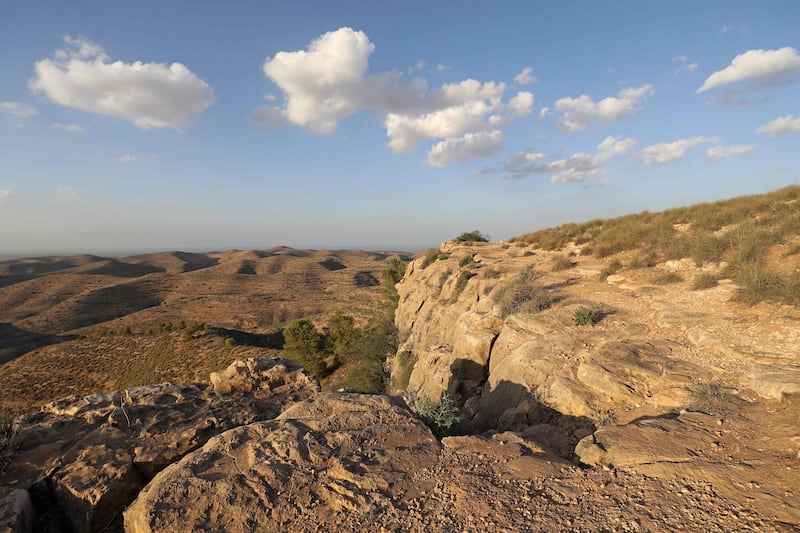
[{"x": 132, "y": 127}]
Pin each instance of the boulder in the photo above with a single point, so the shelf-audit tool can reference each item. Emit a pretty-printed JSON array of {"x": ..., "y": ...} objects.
[
  {"x": 327, "y": 462},
  {"x": 16, "y": 511}
]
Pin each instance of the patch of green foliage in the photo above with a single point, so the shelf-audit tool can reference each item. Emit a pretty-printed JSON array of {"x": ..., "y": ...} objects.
[
  {"x": 472, "y": 236},
  {"x": 10, "y": 440},
  {"x": 362, "y": 351},
  {"x": 431, "y": 255},
  {"x": 466, "y": 261},
  {"x": 461, "y": 282},
  {"x": 587, "y": 316},
  {"x": 709, "y": 396},
  {"x": 440, "y": 416},
  {"x": 611, "y": 268}
]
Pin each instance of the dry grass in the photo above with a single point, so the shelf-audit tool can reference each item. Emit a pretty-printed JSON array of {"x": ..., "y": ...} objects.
[
  {"x": 523, "y": 294},
  {"x": 741, "y": 231},
  {"x": 561, "y": 262},
  {"x": 667, "y": 278},
  {"x": 704, "y": 281}
]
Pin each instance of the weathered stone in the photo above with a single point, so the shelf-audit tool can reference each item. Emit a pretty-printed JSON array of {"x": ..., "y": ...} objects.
[
  {"x": 773, "y": 381},
  {"x": 339, "y": 454}
]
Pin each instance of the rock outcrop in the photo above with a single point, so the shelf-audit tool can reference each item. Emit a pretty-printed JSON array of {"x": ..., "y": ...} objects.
[
  {"x": 90, "y": 456},
  {"x": 337, "y": 459}
]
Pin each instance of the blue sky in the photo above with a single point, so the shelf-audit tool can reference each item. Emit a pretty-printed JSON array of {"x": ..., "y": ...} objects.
[{"x": 133, "y": 126}]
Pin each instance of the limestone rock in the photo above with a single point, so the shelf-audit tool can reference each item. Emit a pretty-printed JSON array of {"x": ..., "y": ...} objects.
[
  {"x": 16, "y": 511},
  {"x": 97, "y": 452},
  {"x": 773, "y": 381},
  {"x": 324, "y": 461}
]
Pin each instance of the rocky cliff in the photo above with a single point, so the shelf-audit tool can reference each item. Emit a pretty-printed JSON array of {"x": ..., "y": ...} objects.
[{"x": 672, "y": 383}]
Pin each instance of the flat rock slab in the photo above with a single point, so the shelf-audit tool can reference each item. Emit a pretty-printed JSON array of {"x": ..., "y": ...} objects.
[{"x": 324, "y": 463}]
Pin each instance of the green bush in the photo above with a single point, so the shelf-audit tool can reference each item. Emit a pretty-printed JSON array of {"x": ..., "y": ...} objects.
[
  {"x": 463, "y": 279},
  {"x": 10, "y": 440},
  {"x": 472, "y": 236},
  {"x": 430, "y": 257},
  {"x": 587, "y": 316},
  {"x": 304, "y": 344},
  {"x": 440, "y": 415},
  {"x": 522, "y": 294}
]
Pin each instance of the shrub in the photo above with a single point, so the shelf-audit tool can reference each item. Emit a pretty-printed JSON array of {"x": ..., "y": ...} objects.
[
  {"x": 587, "y": 316},
  {"x": 443, "y": 276},
  {"x": 709, "y": 396},
  {"x": 430, "y": 256},
  {"x": 666, "y": 278},
  {"x": 466, "y": 261},
  {"x": 561, "y": 262},
  {"x": 304, "y": 344},
  {"x": 10, "y": 440},
  {"x": 472, "y": 236},
  {"x": 704, "y": 281},
  {"x": 491, "y": 273},
  {"x": 440, "y": 416},
  {"x": 610, "y": 268},
  {"x": 463, "y": 279},
  {"x": 522, "y": 294}
]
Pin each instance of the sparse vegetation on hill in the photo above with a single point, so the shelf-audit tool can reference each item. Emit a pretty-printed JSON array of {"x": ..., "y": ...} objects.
[
  {"x": 742, "y": 232},
  {"x": 523, "y": 294}
]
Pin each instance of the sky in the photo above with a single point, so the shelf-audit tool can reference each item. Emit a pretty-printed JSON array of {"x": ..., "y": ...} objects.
[{"x": 145, "y": 126}]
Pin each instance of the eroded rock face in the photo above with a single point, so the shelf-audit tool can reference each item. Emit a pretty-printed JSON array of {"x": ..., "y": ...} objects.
[
  {"x": 331, "y": 460},
  {"x": 98, "y": 452},
  {"x": 16, "y": 511}
]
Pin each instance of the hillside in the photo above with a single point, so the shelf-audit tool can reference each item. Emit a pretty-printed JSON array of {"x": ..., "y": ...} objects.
[
  {"x": 615, "y": 375},
  {"x": 74, "y": 325}
]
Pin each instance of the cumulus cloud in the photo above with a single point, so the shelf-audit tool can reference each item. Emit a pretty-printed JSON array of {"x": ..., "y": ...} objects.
[
  {"x": 151, "y": 95},
  {"x": 525, "y": 77},
  {"x": 470, "y": 146},
  {"x": 780, "y": 126},
  {"x": 577, "y": 167},
  {"x": 5, "y": 194},
  {"x": 579, "y": 113},
  {"x": 543, "y": 112},
  {"x": 328, "y": 82},
  {"x": 758, "y": 67},
  {"x": 657, "y": 154},
  {"x": 17, "y": 109},
  {"x": 721, "y": 152},
  {"x": 72, "y": 128}
]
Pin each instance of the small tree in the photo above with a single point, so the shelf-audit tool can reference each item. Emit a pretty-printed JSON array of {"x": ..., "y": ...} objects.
[
  {"x": 342, "y": 337},
  {"x": 472, "y": 236},
  {"x": 304, "y": 344}
]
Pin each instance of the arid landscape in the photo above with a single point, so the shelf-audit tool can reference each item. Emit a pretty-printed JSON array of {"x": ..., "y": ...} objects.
[{"x": 631, "y": 374}]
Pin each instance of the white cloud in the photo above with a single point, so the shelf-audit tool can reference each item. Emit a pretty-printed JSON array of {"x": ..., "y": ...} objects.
[
  {"x": 470, "y": 146},
  {"x": 759, "y": 67},
  {"x": 66, "y": 193},
  {"x": 680, "y": 59},
  {"x": 578, "y": 113},
  {"x": 5, "y": 194},
  {"x": 543, "y": 112},
  {"x": 780, "y": 126},
  {"x": 657, "y": 154},
  {"x": 525, "y": 77},
  {"x": 17, "y": 109},
  {"x": 151, "y": 95},
  {"x": 442, "y": 68},
  {"x": 72, "y": 128},
  {"x": 721, "y": 152},
  {"x": 328, "y": 82},
  {"x": 577, "y": 167},
  {"x": 691, "y": 67},
  {"x": 126, "y": 158},
  {"x": 724, "y": 29}
]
